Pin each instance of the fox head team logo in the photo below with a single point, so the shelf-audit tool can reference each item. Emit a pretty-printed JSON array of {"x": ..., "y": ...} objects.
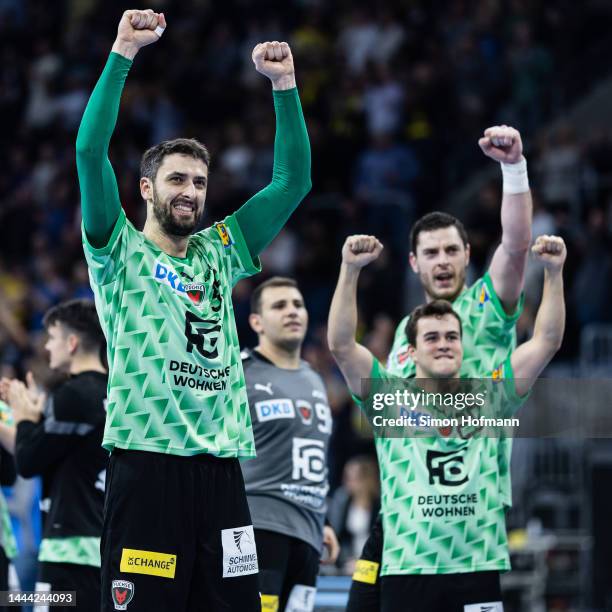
[
  {"x": 195, "y": 292},
  {"x": 403, "y": 357},
  {"x": 305, "y": 411},
  {"x": 122, "y": 592},
  {"x": 241, "y": 537}
]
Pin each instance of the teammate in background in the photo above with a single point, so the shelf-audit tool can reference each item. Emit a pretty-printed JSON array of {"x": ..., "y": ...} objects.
[
  {"x": 177, "y": 529},
  {"x": 450, "y": 565},
  {"x": 489, "y": 309},
  {"x": 59, "y": 438},
  {"x": 8, "y": 475},
  {"x": 287, "y": 483}
]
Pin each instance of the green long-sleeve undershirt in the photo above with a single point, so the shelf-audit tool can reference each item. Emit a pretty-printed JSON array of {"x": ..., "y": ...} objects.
[{"x": 260, "y": 219}]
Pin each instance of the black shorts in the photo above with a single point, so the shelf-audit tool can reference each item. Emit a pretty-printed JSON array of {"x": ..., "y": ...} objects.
[
  {"x": 84, "y": 579},
  {"x": 473, "y": 592},
  {"x": 177, "y": 535},
  {"x": 288, "y": 570},
  {"x": 4, "y": 576},
  {"x": 364, "y": 595}
]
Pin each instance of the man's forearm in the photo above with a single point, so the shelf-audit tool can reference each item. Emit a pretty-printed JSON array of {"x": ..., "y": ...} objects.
[
  {"x": 550, "y": 319},
  {"x": 342, "y": 324},
  {"x": 264, "y": 215},
  {"x": 99, "y": 192},
  {"x": 510, "y": 260}
]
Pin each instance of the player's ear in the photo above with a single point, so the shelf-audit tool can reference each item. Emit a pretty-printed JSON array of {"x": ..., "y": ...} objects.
[
  {"x": 146, "y": 188},
  {"x": 255, "y": 323},
  {"x": 412, "y": 353},
  {"x": 468, "y": 251},
  {"x": 413, "y": 262},
  {"x": 73, "y": 343}
]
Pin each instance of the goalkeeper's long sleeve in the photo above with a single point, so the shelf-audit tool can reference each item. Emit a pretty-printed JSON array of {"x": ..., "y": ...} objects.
[
  {"x": 264, "y": 215},
  {"x": 99, "y": 192}
]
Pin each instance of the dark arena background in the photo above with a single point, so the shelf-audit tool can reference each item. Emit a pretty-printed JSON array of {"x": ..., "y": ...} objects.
[{"x": 395, "y": 95}]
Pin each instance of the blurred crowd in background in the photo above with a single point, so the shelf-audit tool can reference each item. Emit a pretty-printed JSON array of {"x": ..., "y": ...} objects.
[{"x": 396, "y": 95}]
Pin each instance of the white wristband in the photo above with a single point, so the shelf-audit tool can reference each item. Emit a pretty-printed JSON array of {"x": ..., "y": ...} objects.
[
  {"x": 159, "y": 31},
  {"x": 515, "y": 177}
]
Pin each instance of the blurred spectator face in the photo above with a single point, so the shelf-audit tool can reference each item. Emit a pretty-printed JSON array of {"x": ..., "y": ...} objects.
[
  {"x": 361, "y": 477},
  {"x": 441, "y": 260},
  {"x": 61, "y": 346},
  {"x": 178, "y": 193},
  {"x": 283, "y": 319},
  {"x": 438, "y": 350}
]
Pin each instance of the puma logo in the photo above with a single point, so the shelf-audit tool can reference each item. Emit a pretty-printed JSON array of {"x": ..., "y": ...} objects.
[{"x": 267, "y": 388}]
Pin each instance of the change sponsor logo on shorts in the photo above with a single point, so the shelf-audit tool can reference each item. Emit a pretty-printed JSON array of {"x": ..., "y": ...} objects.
[
  {"x": 269, "y": 603},
  {"x": 122, "y": 592},
  {"x": 239, "y": 553},
  {"x": 273, "y": 409},
  {"x": 366, "y": 571},
  {"x": 148, "y": 562}
]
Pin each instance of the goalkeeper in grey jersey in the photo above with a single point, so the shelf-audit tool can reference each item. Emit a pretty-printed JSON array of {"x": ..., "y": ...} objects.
[{"x": 286, "y": 484}]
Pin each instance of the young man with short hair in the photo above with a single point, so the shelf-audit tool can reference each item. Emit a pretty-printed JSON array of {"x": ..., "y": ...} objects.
[
  {"x": 287, "y": 483},
  {"x": 451, "y": 564},
  {"x": 59, "y": 438}
]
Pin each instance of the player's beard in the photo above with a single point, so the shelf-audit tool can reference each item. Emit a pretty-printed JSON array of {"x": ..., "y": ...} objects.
[
  {"x": 450, "y": 293},
  {"x": 165, "y": 217}
]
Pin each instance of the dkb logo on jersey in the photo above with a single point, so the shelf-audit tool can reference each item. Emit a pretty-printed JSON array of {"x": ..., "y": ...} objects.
[
  {"x": 203, "y": 334},
  {"x": 308, "y": 459},
  {"x": 271, "y": 410},
  {"x": 167, "y": 276},
  {"x": 448, "y": 468},
  {"x": 122, "y": 592}
]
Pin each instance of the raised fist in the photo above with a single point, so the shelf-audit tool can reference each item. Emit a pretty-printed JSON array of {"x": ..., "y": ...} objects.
[
  {"x": 502, "y": 143},
  {"x": 140, "y": 28},
  {"x": 274, "y": 60},
  {"x": 551, "y": 251},
  {"x": 360, "y": 250}
]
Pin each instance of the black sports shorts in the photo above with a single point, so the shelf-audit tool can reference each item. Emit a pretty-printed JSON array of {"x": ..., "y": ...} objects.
[
  {"x": 364, "y": 595},
  {"x": 83, "y": 579},
  {"x": 288, "y": 570},
  {"x": 177, "y": 535},
  {"x": 471, "y": 592}
]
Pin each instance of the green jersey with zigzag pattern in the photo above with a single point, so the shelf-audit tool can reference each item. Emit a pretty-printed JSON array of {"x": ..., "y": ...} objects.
[
  {"x": 489, "y": 336},
  {"x": 176, "y": 383},
  {"x": 442, "y": 507}
]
